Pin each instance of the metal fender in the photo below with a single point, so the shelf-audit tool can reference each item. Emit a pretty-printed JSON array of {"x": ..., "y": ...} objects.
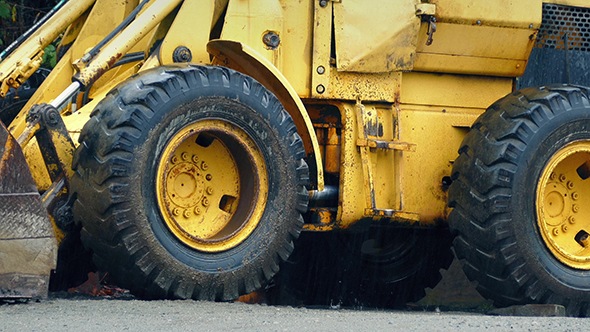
[{"x": 246, "y": 60}]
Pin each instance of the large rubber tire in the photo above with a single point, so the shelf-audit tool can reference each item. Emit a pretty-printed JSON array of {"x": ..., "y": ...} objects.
[
  {"x": 496, "y": 179},
  {"x": 377, "y": 268},
  {"x": 121, "y": 149}
]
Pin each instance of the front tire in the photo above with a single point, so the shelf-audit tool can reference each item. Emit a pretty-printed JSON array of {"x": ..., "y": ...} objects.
[
  {"x": 520, "y": 196},
  {"x": 190, "y": 183}
]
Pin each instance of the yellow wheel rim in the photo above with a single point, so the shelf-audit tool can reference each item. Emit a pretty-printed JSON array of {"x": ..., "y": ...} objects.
[
  {"x": 211, "y": 185},
  {"x": 563, "y": 212}
]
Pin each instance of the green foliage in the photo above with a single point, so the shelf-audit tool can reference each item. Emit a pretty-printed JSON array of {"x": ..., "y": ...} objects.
[
  {"x": 6, "y": 10},
  {"x": 5, "y": 13},
  {"x": 50, "y": 57}
]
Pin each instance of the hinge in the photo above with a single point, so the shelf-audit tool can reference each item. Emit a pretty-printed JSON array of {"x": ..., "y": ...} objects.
[{"x": 427, "y": 11}]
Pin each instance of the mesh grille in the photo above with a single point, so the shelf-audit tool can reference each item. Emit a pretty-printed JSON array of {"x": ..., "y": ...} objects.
[{"x": 560, "y": 20}]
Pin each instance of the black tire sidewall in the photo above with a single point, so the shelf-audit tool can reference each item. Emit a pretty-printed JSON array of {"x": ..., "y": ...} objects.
[{"x": 565, "y": 128}]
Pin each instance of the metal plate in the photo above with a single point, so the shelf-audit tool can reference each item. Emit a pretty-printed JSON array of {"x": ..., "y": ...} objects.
[{"x": 28, "y": 249}]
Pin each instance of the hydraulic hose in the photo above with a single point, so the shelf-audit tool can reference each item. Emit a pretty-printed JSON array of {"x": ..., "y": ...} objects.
[{"x": 113, "y": 33}]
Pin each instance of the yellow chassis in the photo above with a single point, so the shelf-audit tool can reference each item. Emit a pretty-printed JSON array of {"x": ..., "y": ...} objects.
[{"x": 380, "y": 111}]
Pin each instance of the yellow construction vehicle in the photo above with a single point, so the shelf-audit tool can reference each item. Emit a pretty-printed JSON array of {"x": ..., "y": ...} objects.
[{"x": 188, "y": 143}]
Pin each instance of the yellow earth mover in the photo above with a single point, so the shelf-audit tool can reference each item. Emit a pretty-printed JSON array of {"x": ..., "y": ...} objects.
[{"x": 188, "y": 143}]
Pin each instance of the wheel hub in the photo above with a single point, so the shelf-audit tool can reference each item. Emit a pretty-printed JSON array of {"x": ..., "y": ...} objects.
[
  {"x": 185, "y": 183},
  {"x": 562, "y": 205},
  {"x": 211, "y": 185}
]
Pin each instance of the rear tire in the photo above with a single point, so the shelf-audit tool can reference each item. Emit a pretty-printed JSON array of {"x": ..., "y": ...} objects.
[
  {"x": 190, "y": 183},
  {"x": 512, "y": 216}
]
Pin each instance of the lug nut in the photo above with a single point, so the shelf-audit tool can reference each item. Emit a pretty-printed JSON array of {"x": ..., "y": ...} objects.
[
  {"x": 210, "y": 190},
  {"x": 576, "y": 208},
  {"x": 208, "y": 177},
  {"x": 575, "y": 196},
  {"x": 556, "y": 231},
  {"x": 184, "y": 156},
  {"x": 174, "y": 159},
  {"x": 187, "y": 213},
  {"x": 195, "y": 159},
  {"x": 197, "y": 210},
  {"x": 572, "y": 220},
  {"x": 564, "y": 228},
  {"x": 552, "y": 176},
  {"x": 204, "y": 166},
  {"x": 570, "y": 185},
  {"x": 562, "y": 178},
  {"x": 176, "y": 212},
  {"x": 205, "y": 202}
]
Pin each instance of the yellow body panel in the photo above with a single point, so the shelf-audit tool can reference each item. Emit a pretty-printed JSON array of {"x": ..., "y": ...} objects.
[
  {"x": 499, "y": 13},
  {"x": 458, "y": 49},
  {"x": 436, "y": 113},
  {"x": 249, "y": 21},
  {"x": 377, "y": 37}
]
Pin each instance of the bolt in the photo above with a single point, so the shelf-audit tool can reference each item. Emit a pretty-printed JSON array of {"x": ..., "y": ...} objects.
[
  {"x": 271, "y": 39},
  {"x": 323, "y": 3},
  {"x": 176, "y": 212},
  {"x": 531, "y": 26},
  {"x": 187, "y": 213},
  {"x": 572, "y": 220},
  {"x": 205, "y": 202},
  {"x": 210, "y": 190},
  {"x": 576, "y": 208},
  {"x": 575, "y": 196},
  {"x": 478, "y": 22},
  {"x": 562, "y": 178},
  {"x": 552, "y": 176},
  {"x": 182, "y": 54},
  {"x": 174, "y": 159},
  {"x": 184, "y": 156},
  {"x": 320, "y": 89},
  {"x": 564, "y": 228},
  {"x": 208, "y": 177},
  {"x": 197, "y": 210},
  {"x": 321, "y": 70},
  {"x": 570, "y": 185},
  {"x": 555, "y": 231},
  {"x": 195, "y": 159},
  {"x": 204, "y": 166}
]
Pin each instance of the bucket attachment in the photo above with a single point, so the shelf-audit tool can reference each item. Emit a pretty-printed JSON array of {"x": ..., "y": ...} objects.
[{"x": 28, "y": 248}]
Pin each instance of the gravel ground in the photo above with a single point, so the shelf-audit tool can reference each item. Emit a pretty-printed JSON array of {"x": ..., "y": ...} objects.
[{"x": 100, "y": 314}]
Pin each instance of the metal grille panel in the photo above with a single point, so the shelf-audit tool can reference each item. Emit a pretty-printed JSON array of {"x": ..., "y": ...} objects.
[{"x": 561, "y": 23}]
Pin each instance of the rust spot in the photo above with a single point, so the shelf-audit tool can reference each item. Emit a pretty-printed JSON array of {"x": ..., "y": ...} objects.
[{"x": 113, "y": 60}]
